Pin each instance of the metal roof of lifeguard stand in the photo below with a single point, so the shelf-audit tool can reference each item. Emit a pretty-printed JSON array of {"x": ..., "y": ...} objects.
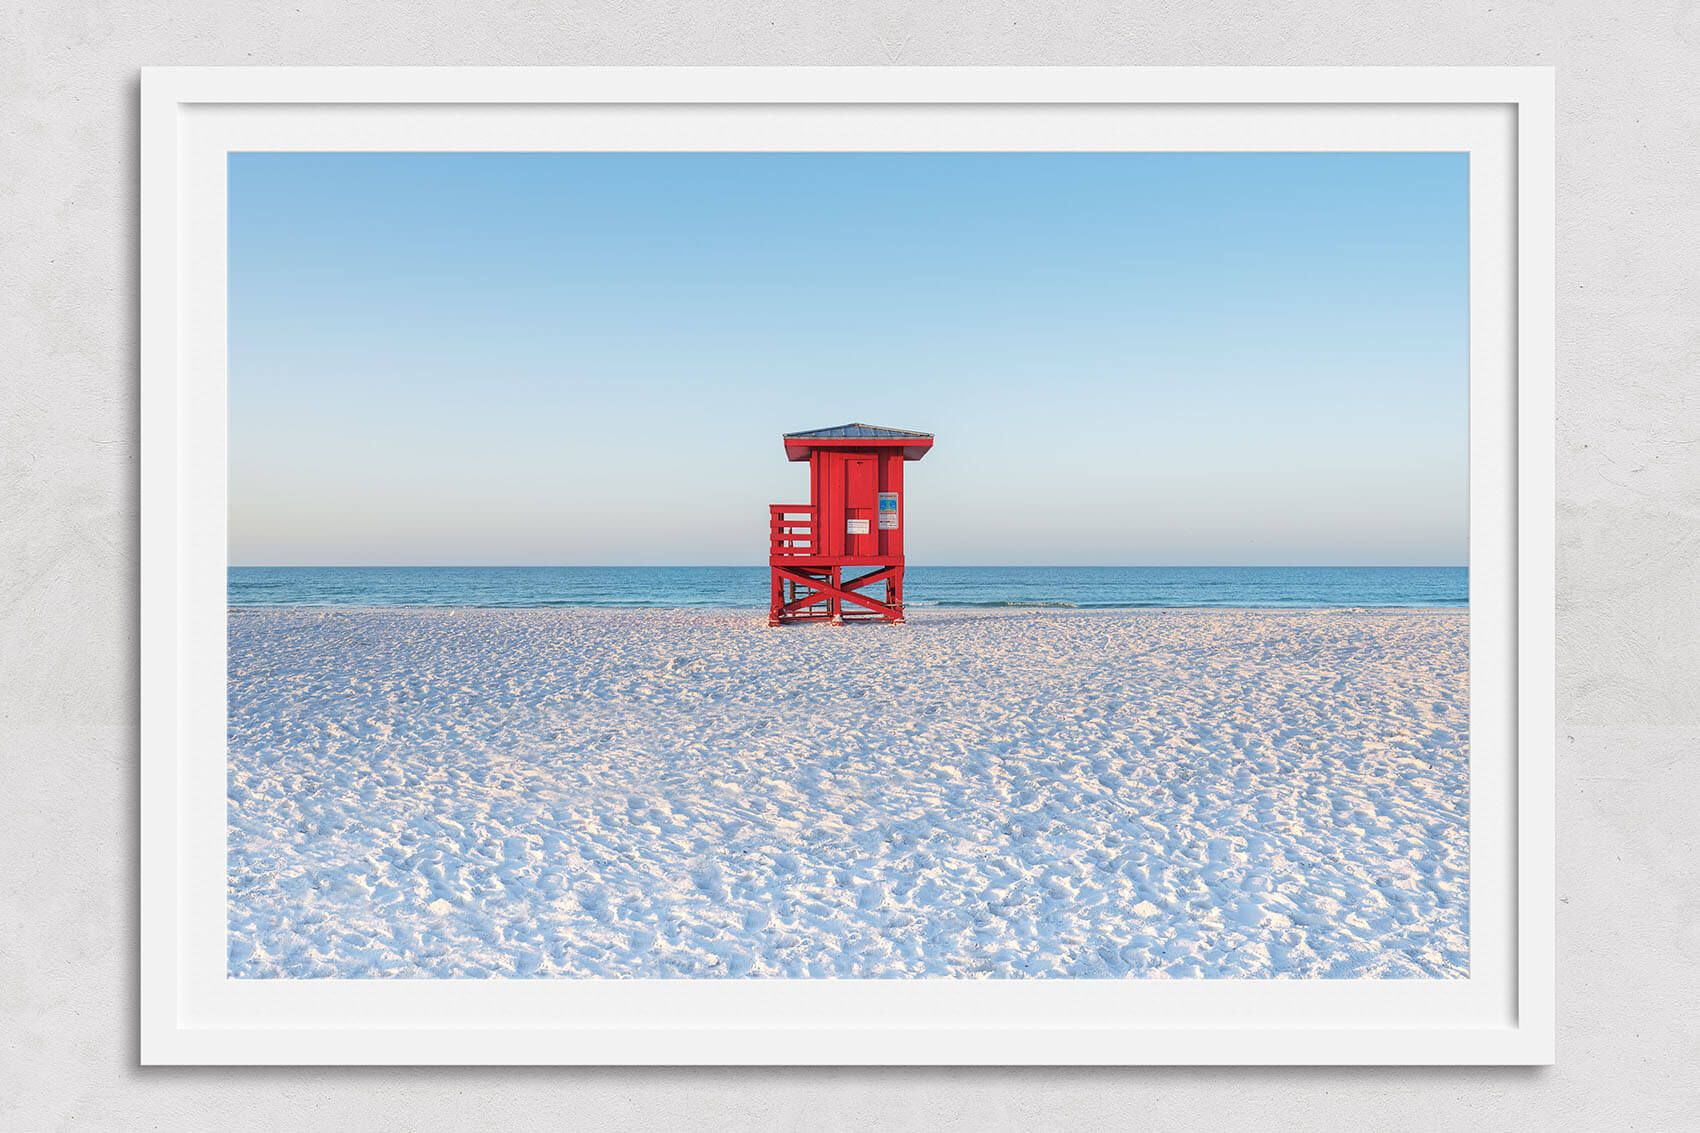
[{"x": 854, "y": 518}]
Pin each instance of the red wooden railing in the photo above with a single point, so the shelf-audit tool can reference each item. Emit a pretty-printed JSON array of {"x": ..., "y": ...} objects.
[{"x": 791, "y": 530}]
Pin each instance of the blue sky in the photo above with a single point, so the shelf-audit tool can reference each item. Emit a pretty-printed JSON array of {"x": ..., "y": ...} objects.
[{"x": 589, "y": 358}]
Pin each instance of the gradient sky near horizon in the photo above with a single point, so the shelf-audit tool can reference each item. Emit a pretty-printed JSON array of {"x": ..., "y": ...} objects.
[{"x": 1166, "y": 359}]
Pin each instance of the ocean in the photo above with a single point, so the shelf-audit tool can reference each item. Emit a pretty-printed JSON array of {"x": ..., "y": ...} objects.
[{"x": 1104, "y": 588}]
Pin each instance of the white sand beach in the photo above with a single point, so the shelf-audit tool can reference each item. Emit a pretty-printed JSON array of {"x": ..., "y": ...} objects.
[{"x": 999, "y": 793}]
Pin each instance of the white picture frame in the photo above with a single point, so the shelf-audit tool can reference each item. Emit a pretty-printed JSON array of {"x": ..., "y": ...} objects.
[{"x": 191, "y": 1013}]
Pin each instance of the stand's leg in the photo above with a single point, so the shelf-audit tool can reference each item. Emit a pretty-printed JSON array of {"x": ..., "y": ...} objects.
[
  {"x": 834, "y": 606},
  {"x": 894, "y": 594},
  {"x": 776, "y": 599}
]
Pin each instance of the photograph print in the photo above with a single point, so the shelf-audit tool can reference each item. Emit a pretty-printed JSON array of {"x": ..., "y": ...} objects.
[{"x": 833, "y": 566}]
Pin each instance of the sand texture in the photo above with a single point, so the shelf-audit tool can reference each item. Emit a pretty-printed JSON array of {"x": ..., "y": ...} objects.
[{"x": 626, "y": 793}]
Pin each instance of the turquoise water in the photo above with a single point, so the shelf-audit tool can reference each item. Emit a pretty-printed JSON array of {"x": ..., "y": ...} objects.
[{"x": 747, "y": 587}]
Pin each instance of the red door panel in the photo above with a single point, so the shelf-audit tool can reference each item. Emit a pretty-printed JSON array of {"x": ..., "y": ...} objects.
[{"x": 861, "y": 535}]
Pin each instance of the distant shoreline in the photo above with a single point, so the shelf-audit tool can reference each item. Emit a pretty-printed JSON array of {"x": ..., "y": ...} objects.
[
  {"x": 948, "y": 588},
  {"x": 912, "y": 611}
]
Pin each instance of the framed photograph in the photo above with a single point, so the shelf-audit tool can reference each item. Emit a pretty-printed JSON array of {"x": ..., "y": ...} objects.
[{"x": 847, "y": 566}]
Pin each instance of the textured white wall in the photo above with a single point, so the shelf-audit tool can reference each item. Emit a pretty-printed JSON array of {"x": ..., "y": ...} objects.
[{"x": 1629, "y": 557}]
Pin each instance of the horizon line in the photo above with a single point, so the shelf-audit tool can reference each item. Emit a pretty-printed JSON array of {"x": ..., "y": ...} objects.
[{"x": 759, "y": 566}]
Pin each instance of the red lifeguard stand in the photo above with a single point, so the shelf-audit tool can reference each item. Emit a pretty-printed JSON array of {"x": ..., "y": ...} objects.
[{"x": 854, "y": 518}]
